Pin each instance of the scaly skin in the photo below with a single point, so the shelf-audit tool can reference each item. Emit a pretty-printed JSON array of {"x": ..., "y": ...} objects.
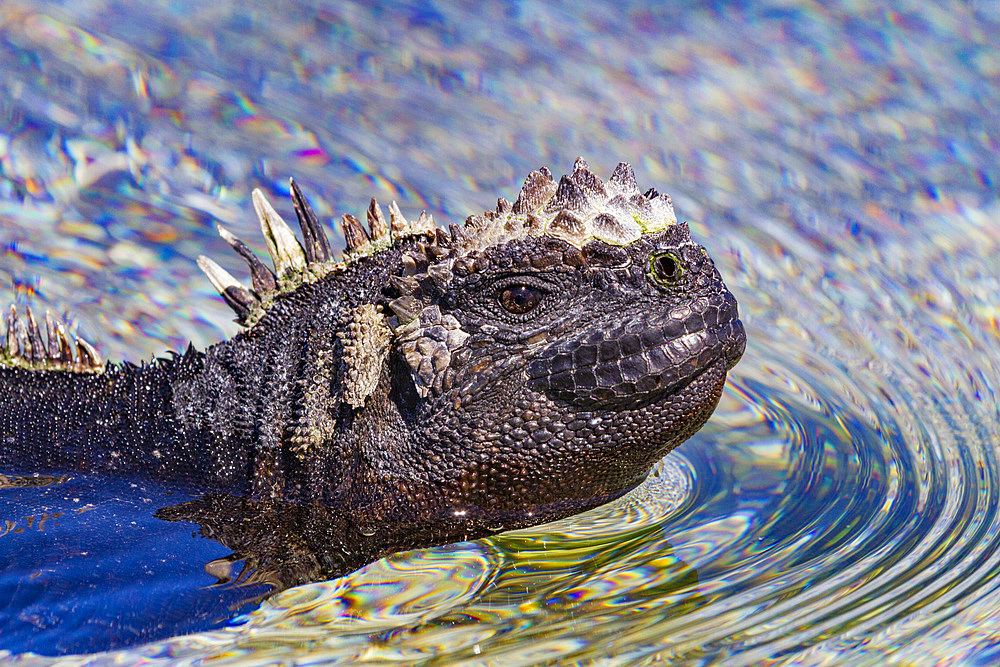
[{"x": 534, "y": 363}]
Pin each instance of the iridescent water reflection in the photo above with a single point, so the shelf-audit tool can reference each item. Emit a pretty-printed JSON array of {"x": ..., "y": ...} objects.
[{"x": 839, "y": 161}]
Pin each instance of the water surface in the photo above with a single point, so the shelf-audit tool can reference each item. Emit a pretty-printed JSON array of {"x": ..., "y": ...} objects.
[{"x": 839, "y": 162}]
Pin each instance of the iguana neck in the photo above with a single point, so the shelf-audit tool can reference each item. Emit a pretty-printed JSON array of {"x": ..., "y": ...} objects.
[
  {"x": 123, "y": 420},
  {"x": 275, "y": 395}
]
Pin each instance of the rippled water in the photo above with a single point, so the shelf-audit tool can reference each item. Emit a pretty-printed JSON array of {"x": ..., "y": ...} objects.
[{"x": 839, "y": 162}]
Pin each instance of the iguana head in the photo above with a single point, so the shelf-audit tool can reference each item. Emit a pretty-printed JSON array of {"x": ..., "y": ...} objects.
[
  {"x": 543, "y": 355},
  {"x": 564, "y": 343}
]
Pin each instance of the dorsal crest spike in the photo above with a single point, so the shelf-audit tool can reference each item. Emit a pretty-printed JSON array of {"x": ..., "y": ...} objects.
[
  {"x": 640, "y": 207},
  {"x": 397, "y": 221},
  {"x": 589, "y": 182},
  {"x": 232, "y": 291},
  {"x": 425, "y": 224},
  {"x": 376, "y": 221},
  {"x": 241, "y": 301},
  {"x": 570, "y": 197},
  {"x": 262, "y": 277},
  {"x": 88, "y": 356},
  {"x": 65, "y": 351},
  {"x": 12, "y": 348},
  {"x": 24, "y": 347},
  {"x": 504, "y": 207},
  {"x": 50, "y": 336},
  {"x": 218, "y": 276},
  {"x": 663, "y": 208},
  {"x": 459, "y": 237},
  {"x": 315, "y": 244},
  {"x": 538, "y": 188},
  {"x": 623, "y": 182},
  {"x": 35, "y": 337},
  {"x": 284, "y": 248},
  {"x": 354, "y": 234}
]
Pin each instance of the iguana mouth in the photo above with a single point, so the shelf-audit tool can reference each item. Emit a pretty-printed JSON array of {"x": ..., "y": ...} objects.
[
  {"x": 730, "y": 341},
  {"x": 678, "y": 361},
  {"x": 643, "y": 359}
]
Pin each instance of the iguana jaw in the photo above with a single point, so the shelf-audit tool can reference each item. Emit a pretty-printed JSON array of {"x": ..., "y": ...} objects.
[{"x": 643, "y": 358}]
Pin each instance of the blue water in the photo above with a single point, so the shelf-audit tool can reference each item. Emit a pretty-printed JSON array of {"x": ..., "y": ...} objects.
[
  {"x": 91, "y": 568},
  {"x": 838, "y": 161}
]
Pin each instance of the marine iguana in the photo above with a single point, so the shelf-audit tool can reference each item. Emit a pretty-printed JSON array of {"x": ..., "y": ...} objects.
[{"x": 528, "y": 364}]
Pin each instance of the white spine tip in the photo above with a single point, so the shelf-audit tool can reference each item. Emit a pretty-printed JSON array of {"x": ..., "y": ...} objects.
[
  {"x": 218, "y": 276},
  {"x": 284, "y": 248},
  {"x": 227, "y": 235}
]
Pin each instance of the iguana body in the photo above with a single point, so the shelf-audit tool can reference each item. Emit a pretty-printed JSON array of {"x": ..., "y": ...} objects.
[{"x": 532, "y": 363}]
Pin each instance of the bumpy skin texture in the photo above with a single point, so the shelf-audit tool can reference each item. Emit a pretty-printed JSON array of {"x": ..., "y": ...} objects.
[{"x": 516, "y": 377}]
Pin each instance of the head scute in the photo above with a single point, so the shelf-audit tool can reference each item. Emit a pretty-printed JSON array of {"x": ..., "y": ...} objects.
[{"x": 578, "y": 208}]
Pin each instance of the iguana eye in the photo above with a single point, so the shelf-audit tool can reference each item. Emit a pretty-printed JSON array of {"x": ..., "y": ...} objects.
[
  {"x": 665, "y": 268},
  {"x": 519, "y": 299}
]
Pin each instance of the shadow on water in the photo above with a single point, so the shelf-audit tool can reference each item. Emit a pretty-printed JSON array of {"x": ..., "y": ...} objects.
[
  {"x": 93, "y": 564},
  {"x": 82, "y": 557}
]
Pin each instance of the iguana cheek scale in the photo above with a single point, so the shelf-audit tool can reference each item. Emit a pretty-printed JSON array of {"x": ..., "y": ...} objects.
[{"x": 530, "y": 363}]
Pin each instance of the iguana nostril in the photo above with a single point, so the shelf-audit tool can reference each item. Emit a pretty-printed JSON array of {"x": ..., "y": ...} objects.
[{"x": 665, "y": 269}]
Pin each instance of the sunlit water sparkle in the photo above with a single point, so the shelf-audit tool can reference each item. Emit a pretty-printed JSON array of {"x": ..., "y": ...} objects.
[{"x": 839, "y": 162}]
